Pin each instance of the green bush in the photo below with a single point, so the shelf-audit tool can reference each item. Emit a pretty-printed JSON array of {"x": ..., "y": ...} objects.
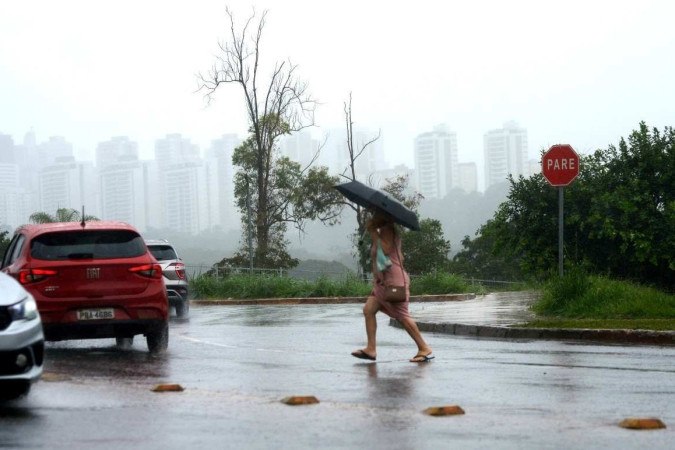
[
  {"x": 439, "y": 283},
  {"x": 577, "y": 295},
  {"x": 560, "y": 294}
]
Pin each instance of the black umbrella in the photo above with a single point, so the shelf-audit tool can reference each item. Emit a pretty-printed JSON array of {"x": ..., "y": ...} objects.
[{"x": 368, "y": 197}]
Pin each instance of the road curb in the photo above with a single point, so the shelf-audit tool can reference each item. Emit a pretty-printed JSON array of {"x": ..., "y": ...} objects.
[
  {"x": 488, "y": 331},
  {"x": 327, "y": 300}
]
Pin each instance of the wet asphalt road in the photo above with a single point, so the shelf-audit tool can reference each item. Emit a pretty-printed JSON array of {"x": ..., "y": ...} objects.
[{"x": 236, "y": 363}]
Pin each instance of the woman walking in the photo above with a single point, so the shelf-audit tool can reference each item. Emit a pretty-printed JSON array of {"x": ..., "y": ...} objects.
[{"x": 381, "y": 228}]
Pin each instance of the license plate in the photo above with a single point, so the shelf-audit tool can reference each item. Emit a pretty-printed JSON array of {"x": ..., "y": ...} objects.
[{"x": 96, "y": 314}]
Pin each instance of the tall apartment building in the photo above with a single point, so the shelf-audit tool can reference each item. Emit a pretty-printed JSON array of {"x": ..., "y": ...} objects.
[
  {"x": 9, "y": 181},
  {"x": 436, "y": 162},
  {"x": 6, "y": 149},
  {"x": 299, "y": 147},
  {"x": 55, "y": 150},
  {"x": 221, "y": 210},
  {"x": 11, "y": 195},
  {"x": 9, "y": 177},
  {"x": 26, "y": 156},
  {"x": 335, "y": 153},
  {"x": 183, "y": 197},
  {"x": 505, "y": 151},
  {"x": 19, "y": 175},
  {"x": 175, "y": 150},
  {"x": 118, "y": 149},
  {"x": 68, "y": 184},
  {"x": 126, "y": 184},
  {"x": 379, "y": 178}
]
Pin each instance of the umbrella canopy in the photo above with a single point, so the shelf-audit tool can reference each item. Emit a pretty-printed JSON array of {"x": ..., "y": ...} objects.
[{"x": 368, "y": 197}]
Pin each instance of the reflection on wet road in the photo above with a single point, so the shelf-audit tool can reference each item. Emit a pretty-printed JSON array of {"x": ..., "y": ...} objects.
[{"x": 236, "y": 363}]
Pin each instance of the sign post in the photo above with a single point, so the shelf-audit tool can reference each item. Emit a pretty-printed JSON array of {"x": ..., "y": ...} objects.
[{"x": 560, "y": 166}]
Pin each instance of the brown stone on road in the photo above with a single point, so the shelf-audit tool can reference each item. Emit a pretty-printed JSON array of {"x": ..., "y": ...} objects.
[
  {"x": 451, "y": 410},
  {"x": 635, "y": 423},
  {"x": 168, "y": 388},
  {"x": 300, "y": 400},
  {"x": 54, "y": 377}
]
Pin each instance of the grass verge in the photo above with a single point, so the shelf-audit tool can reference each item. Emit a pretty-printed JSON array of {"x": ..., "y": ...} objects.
[
  {"x": 578, "y": 300},
  {"x": 270, "y": 286}
]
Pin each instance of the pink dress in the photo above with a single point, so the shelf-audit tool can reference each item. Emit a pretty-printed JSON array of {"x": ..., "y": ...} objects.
[{"x": 395, "y": 275}]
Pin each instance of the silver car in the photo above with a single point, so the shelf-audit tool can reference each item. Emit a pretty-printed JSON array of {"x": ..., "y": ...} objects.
[
  {"x": 21, "y": 340},
  {"x": 173, "y": 270}
]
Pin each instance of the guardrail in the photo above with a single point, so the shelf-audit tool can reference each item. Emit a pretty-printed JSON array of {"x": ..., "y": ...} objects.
[
  {"x": 219, "y": 271},
  {"x": 493, "y": 283}
]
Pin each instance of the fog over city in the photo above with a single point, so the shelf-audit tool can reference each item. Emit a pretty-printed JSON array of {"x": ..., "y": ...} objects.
[{"x": 578, "y": 72}]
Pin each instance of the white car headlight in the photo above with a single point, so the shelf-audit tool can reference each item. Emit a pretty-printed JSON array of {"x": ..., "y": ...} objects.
[{"x": 26, "y": 309}]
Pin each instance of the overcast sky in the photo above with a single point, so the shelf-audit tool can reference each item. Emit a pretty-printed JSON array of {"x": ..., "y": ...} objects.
[{"x": 578, "y": 72}]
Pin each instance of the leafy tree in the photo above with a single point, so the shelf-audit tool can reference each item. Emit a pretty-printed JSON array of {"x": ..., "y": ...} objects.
[
  {"x": 477, "y": 259},
  {"x": 281, "y": 192},
  {"x": 426, "y": 250},
  {"x": 294, "y": 196},
  {"x": 62, "y": 215},
  {"x": 633, "y": 209}
]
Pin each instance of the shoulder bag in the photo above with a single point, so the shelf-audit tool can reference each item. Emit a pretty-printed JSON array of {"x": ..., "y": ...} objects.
[{"x": 392, "y": 293}]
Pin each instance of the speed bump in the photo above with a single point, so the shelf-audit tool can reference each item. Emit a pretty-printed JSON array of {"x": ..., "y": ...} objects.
[
  {"x": 637, "y": 423},
  {"x": 53, "y": 376},
  {"x": 300, "y": 400},
  {"x": 168, "y": 388},
  {"x": 451, "y": 410}
]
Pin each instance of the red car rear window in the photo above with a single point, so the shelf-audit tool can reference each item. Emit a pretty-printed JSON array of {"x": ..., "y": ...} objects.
[{"x": 87, "y": 244}]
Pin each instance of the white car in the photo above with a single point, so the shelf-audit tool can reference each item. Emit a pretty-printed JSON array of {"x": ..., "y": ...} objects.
[
  {"x": 173, "y": 273},
  {"x": 22, "y": 345}
]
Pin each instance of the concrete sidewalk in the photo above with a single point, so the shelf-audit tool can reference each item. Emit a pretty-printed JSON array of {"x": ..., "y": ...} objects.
[
  {"x": 500, "y": 315},
  {"x": 499, "y": 309}
]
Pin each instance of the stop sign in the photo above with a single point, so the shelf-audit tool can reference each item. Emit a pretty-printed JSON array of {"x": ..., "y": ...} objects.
[{"x": 560, "y": 165}]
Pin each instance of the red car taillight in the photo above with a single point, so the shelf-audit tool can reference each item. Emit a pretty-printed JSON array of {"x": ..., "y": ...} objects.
[
  {"x": 180, "y": 270},
  {"x": 148, "y": 270},
  {"x": 27, "y": 276}
]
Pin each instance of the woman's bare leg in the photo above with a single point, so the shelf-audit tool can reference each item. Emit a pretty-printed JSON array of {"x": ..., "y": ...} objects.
[
  {"x": 370, "y": 309},
  {"x": 411, "y": 327}
]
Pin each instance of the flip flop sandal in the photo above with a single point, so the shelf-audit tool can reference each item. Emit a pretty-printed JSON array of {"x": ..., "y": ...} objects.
[
  {"x": 362, "y": 355},
  {"x": 425, "y": 358}
]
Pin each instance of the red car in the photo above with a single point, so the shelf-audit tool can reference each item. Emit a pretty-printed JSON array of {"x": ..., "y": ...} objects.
[{"x": 91, "y": 280}]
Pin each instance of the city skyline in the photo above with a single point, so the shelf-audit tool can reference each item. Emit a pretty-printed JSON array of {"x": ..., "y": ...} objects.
[
  {"x": 186, "y": 189},
  {"x": 333, "y": 152},
  {"x": 146, "y": 150}
]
